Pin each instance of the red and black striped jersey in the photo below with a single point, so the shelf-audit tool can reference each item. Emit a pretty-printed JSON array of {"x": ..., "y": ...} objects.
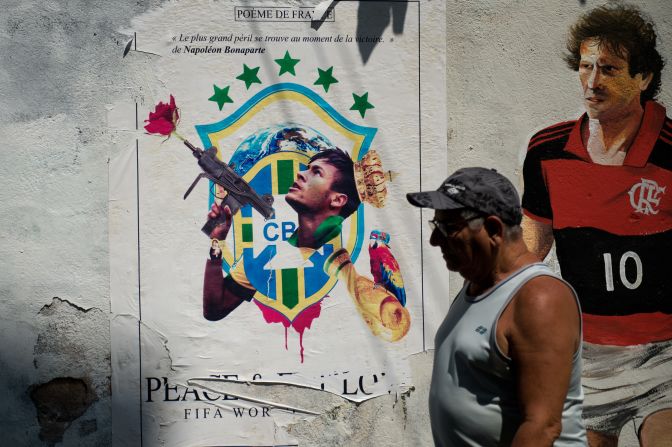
[{"x": 612, "y": 226}]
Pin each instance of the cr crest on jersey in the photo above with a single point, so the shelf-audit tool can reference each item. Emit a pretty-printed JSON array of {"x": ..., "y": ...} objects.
[{"x": 645, "y": 196}]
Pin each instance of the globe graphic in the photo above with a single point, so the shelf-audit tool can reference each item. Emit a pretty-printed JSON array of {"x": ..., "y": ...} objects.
[{"x": 285, "y": 137}]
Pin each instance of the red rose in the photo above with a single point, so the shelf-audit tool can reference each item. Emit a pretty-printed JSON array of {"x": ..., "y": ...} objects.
[{"x": 164, "y": 118}]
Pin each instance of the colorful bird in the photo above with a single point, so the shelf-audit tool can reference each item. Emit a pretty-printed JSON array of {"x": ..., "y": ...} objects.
[{"x": 384, "y": 268}]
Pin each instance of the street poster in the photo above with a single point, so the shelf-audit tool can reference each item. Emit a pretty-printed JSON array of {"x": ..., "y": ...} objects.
[{"x": 259, "y": 230}]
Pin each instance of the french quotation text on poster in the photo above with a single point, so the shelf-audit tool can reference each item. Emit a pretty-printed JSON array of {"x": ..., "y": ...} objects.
[{"x": 259, "y": 229}]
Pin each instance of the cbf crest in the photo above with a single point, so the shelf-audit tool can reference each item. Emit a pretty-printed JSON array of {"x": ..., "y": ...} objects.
[{"x": 268, "y": 152}]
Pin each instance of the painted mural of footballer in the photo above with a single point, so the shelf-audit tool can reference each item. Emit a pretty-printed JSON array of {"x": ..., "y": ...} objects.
[
  {"x": 599, "y": 187},
  {"x": 323, "y": 196}
]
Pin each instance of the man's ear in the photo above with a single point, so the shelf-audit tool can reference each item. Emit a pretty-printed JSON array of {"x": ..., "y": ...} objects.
[
  {"x": 338, "y": 200},
  {"x": 494, "y": 227},
  {"x": 646, "y": 80}
]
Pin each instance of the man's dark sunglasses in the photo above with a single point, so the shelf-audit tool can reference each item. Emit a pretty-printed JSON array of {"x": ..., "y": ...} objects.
[{"x": 450, "y": 229}]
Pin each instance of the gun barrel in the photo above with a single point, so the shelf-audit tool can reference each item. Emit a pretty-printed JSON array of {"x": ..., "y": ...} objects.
[
  {"x": 225, "y": 176},
  {"x": 194, "y": 150}
]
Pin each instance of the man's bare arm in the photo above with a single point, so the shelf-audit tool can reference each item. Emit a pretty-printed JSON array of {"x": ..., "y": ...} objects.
[
  {"x": 538, "y": 236},
  {"x": 543, "y": 334}
]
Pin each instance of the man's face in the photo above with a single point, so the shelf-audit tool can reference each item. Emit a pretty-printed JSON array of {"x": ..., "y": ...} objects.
[
  {"x": 465, "y": 250},
  {"x": 311, "y": 192},
  {"x": 609, "y": 92}
]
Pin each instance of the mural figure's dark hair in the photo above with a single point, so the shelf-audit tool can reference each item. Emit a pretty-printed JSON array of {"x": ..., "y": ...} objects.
[
  {"x": 626, "y": 32},
  {"x": 344, "y": 182}
]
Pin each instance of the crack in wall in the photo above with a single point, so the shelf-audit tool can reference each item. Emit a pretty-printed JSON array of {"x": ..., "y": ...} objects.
[{"x": 47, "y": 309}]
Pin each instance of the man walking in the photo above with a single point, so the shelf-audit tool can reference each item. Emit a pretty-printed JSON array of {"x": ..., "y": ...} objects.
[{"x": 508, "y": 355}]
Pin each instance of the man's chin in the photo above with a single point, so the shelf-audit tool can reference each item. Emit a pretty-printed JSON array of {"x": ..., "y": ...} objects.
[
  {"x": 452, "y": 265},
  {"x": 596, "y": 110},
  {"x": 293, "y": 202},
  {"x": 456, "y": 266}
]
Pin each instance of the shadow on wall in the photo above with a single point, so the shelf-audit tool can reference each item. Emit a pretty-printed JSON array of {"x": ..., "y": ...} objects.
[{"x": 373, "y": 17}]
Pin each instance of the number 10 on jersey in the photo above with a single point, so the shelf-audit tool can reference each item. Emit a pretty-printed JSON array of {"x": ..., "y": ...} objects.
[{"x": 609, "y": 270}]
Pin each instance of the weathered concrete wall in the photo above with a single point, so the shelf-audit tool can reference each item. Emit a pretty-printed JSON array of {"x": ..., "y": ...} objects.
[
  {"x": 61, "y": 65},
  {"x": 56, "y": 76}
]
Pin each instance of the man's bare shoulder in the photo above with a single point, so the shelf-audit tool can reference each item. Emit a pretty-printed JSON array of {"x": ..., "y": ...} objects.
[
  {"x": 545, "y": 294},
  {"x": 545, "y": 305}
]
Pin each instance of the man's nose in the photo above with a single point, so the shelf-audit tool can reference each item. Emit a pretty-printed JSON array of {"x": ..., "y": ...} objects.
[
  {"x": 301, "y": 175},
  {"x": 595, "y": 78}
]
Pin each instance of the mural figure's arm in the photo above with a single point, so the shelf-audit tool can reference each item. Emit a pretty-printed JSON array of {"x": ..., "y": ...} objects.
[
  {"x": 221, "y": 295},
  {"x": 538, "y": 236},
  {"x": 537, "y": 221},
  {"x": 541, "y": 332}
]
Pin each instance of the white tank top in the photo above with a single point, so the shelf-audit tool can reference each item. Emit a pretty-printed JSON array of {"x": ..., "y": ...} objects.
[{"x": 473, "y": 399}]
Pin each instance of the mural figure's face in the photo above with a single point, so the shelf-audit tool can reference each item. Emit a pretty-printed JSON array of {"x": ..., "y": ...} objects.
[
  {"x": 311, "y": 192},
  {"x": 609, "y": 92},
  {"x": 464, "y": 249}
]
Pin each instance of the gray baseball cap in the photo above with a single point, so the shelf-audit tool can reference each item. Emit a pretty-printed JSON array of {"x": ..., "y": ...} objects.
[{"x": 481, "y": 189}]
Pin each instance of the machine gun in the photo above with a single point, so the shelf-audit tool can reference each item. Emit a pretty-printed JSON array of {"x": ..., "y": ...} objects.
[{"x": 239, "y": 192}]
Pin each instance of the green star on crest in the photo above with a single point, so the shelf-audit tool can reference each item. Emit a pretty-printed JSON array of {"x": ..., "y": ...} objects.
[
  {"x": 249, "y": 76},
  {"x": 361, "y": 103},
  {"x": 221, "y": 96},
  {"x": 287, "y": 64},
  {"x": 325, "y": 78}
]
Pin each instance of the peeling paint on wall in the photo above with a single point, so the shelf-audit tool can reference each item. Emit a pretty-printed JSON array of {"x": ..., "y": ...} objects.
[{"x": 59, "y": 402}]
